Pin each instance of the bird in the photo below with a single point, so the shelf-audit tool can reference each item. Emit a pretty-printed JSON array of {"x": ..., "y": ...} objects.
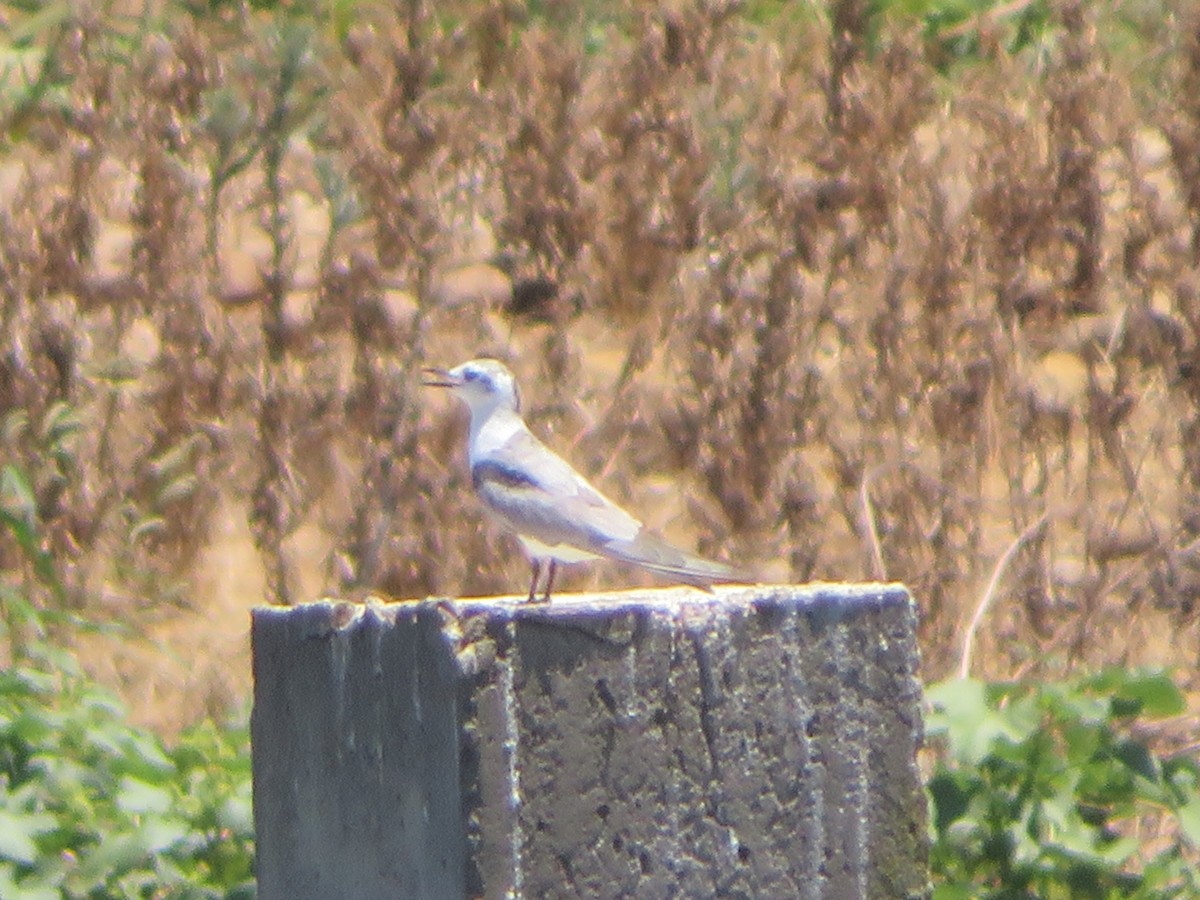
[{"x": 557, "y": 516}]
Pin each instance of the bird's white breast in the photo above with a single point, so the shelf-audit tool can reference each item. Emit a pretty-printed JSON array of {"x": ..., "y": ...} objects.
[
  {"x": 491, "y": 432},
  {"x": 562, "y": 553}
]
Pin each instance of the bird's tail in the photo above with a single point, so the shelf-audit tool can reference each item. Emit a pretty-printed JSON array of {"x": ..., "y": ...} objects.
[{"x": 648, "y": 551}]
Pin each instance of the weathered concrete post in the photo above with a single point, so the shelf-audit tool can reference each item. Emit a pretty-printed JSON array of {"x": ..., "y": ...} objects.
[{"x": 757, "y": 742}]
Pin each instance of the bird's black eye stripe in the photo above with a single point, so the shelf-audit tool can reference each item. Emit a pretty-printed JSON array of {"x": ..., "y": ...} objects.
[{"x": 472, "y": 375}]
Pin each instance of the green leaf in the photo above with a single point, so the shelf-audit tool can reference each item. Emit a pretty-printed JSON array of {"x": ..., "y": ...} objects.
[
  {"x": 236, "y": 813},
  {"x": 30, "y": 727},
  {"x": 39, "y": 25},
  {"x": 115, "y": 855},
  {"x": 951, "y": 793},
  {"x": 14, "y": 602},
  {"x": 1151, "y": 694},
  {"x": 1069, "y": 704},
  {"x": 1138, "y": 758},
  {"x": 147, "y": 526},
  {"x": 144, "y": 757},
  {"x": 175, "y": 460},
  {"x": 9, "y": 888},
  {"x": 59, "y": 422},
  {"x": 1189, "y": 819},
  {"x": 178, "y": 489},
  {"x": 136, "y": 796},
  {"x": 961, "y": 711},
  {"x": 1083, "y": 740},
  {"x": 159, "y": 833},
  {"x": 16, "y": 495},
  {"x": 18, "y": 834},
  {"x": 954, "y": 892},
  {"x": 18, "y": 513}
]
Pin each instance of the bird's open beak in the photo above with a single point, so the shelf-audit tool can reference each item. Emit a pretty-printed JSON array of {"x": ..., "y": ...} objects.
[{"x": 439, "y": 378}]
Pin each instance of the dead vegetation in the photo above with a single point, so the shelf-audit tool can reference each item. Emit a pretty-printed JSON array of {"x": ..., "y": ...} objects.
[{"x": 798, "y": 298}]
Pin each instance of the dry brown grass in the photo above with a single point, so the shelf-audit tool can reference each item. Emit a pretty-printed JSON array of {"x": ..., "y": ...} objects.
[{"x": 800, "y": 301}]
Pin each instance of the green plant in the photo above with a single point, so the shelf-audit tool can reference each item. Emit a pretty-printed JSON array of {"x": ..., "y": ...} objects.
[
  {"x": 967, "y": 30},
  {"x": 91, "y": 806},
  {"x": 19, "y": 616},
  {"x": 1040, "y": 790}
]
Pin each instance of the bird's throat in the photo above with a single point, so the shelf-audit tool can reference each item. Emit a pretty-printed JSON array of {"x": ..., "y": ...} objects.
[{"x": 492, "y": 430}]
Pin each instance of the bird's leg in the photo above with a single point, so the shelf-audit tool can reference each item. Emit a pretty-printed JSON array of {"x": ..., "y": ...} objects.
[
  {"x": 549, "y": 581},
  {"x": 537, "y": 570}
]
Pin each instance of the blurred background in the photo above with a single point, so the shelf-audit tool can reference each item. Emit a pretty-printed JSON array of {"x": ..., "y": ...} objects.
[{"x": 861, "y": 291}]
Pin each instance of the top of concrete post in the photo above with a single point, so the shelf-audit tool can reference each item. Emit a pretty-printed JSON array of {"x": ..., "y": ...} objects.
[{"x": 756, "y": 741}]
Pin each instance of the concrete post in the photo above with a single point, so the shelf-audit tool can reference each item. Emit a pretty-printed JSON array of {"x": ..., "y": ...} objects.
[{"x": 756, "y": 742}]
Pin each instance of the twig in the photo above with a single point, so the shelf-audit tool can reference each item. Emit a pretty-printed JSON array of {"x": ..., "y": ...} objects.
[
  {"x": 985, "y": 602},
  {"x": 1189, "y": 750},
  {"x": 864, "y": 496}
]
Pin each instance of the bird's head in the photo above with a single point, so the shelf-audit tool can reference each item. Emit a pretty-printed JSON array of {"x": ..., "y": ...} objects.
[{"x": 484, "y": 385}]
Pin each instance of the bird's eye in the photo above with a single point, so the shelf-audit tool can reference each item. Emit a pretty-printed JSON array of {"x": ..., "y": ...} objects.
[{"x": 474, "y": 376}]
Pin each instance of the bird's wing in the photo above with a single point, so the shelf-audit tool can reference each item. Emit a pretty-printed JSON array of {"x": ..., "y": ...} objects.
[
  {"x": 538, "y": 494},
  {"x": 651, "y": 552}
]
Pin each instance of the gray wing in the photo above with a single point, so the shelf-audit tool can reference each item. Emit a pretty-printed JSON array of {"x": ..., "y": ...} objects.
[
  {"x": 538, "y": 494},
  {"x": 651, "y": 552}
]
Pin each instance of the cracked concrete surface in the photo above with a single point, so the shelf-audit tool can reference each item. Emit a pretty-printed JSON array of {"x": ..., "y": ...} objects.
[{"x": 757, "y": 742}]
